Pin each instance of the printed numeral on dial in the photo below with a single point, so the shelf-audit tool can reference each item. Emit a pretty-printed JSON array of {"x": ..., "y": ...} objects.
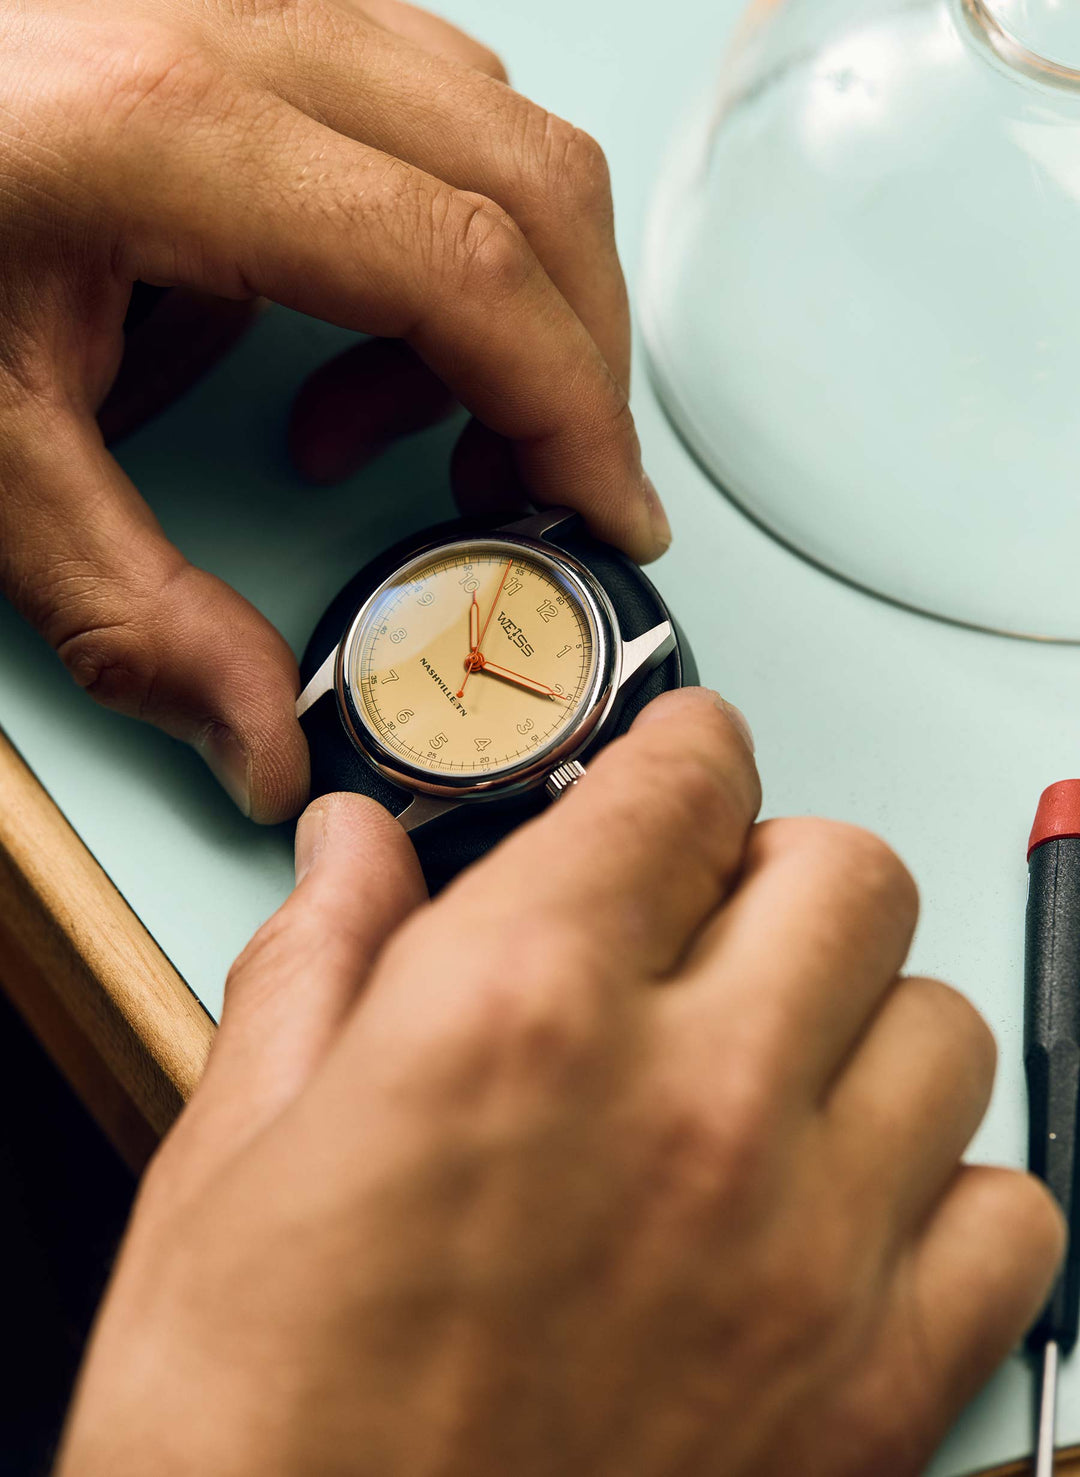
[
  {"x": 547, "y": 611},
  {"x": 482, "y": 744}
]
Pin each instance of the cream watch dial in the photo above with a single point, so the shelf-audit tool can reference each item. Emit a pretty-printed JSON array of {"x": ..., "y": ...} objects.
[{"x": 474, "y": 659}]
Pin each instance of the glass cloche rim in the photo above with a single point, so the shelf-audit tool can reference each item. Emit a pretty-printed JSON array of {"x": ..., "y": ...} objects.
[{"x": 988, "y": 28}]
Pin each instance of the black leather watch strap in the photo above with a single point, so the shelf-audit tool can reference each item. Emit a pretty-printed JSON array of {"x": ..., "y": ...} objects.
[{"x": 450, "y": 842}]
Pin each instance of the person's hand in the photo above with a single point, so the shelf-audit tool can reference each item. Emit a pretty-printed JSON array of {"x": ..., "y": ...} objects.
[
  {"x": 363, "y": 163},
  {"x": 630, "y": 1155}
]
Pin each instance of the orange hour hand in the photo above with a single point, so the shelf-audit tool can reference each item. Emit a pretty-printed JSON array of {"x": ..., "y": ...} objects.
[
  {"x": 474, "y": 624},
  {"x": 520, "y": 680}
]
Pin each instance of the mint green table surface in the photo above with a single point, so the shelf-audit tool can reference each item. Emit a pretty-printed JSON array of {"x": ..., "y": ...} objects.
[{"x": 938, "y": 738}]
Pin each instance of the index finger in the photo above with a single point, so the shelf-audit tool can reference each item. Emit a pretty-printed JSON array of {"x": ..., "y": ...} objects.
[
  {"x": 466, "y": 127},
  {"x": 637, "y": 855},
  {"x": 341, "y": 231}
]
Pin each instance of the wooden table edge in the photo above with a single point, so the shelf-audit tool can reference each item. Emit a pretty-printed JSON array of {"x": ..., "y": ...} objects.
[
  {"x": 118, "y": 1020},
  {"x": 1066, "y": 1464}
]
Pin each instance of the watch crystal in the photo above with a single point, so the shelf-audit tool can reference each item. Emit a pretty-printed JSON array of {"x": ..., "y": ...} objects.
[{"x": 475, "y": 659}]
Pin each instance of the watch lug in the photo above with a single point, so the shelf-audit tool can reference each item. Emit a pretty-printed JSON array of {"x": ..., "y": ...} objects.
[
  {"x": 321, "y": 683},
  {"x": 536, "y": 525},
  {"x": 645, "y": 652},
  {"x": 423, "y": 809}
]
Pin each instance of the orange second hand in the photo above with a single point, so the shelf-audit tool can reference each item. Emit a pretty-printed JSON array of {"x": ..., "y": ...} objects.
[{"x": 494, "y": 602}]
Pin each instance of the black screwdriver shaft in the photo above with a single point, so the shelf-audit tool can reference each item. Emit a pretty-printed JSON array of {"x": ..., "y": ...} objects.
[{"x": 1052, "y": 1061}]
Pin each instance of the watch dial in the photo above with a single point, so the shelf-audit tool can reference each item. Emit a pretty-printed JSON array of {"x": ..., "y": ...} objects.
[{"x": 474, "y": 659}]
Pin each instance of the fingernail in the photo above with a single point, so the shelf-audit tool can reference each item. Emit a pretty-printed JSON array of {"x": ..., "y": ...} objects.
[
  {"x": 657, "y": 517},
  {"x": 738, "y": 721},
  {"x": 310, "y": 835},
  {"x": 228, "y": 761}
]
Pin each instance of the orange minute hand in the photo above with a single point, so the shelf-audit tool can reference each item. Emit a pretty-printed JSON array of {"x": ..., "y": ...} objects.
[{"x": 522, "y": 681}]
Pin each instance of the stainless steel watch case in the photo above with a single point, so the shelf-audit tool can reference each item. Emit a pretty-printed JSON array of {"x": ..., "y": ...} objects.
[{"x": 619, "y": 663}]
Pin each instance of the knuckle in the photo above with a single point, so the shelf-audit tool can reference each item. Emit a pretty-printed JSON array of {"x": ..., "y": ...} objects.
[
  {"x": 707, "y": 790},
  {"x": 705, "y": 804},
  {"x": 263, "y": 12},
  {"x": 717, "y": 1166},
  {"x": 569, "y": 165},
  {"x": 116, "y": 636},
  {"x": 304, "y": 26},
  {"x": 541, "y": 1030},
  {"x": 808, "y": 1291},
  {"x": 79, "y": 98},
  {"x": 413, "y": 212},
  {"x": 1037, "y": 1218},
  {"x": 152, "y": 66},
  {"x": 489, "y": 62},
  {"x": 865, "y": 864},
  {"x": 529, "y": 1026},
  {"x": 884, "y": 874},
  {"x": 113, "y": 664},
  {"x": 486, "y": 250},
  {"x": 952, "y": 1013},
  {"x": 717, "y": 1160},
  {"x": 701, "y": 797}
]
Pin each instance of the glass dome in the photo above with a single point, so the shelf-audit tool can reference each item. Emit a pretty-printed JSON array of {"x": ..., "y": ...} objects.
[{"x": 862, "y": 297}]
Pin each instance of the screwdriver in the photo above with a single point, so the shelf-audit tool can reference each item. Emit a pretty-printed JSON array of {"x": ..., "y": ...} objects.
[{"x": 1052, "y": 1069}]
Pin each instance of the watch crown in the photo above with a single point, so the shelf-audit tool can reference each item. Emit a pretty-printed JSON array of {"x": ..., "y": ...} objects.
[{"x": 560, "y": 780}]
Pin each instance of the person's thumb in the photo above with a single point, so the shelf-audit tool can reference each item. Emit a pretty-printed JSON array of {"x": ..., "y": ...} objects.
[
  {"x": 297, "y": 981},
  {"x": 141, "y": 629}
]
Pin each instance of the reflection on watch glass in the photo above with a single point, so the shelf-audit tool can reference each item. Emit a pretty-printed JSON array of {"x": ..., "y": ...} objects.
[{"x": 474, "y": 659}]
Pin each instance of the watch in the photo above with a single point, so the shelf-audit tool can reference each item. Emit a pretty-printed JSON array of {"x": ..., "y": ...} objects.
[{"x": 465, "y": 679}]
